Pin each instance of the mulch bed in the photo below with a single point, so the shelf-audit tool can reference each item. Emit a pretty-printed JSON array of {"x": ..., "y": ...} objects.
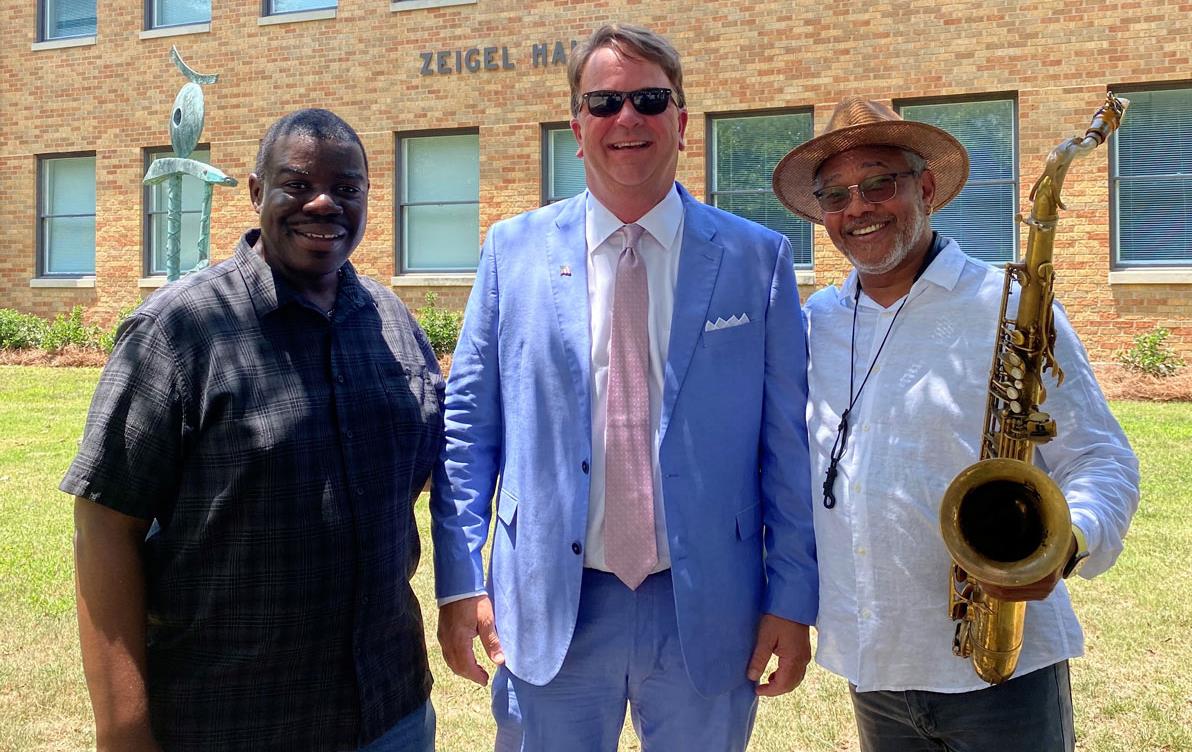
[{"x": 1116, "y": 381}]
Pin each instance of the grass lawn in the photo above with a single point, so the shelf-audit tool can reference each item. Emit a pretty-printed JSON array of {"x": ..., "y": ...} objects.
[{"x": 1132, "y": 691}]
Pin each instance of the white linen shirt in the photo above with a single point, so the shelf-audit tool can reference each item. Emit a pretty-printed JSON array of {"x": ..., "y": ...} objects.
[
  {"x": 659, "y": 249},
  {"x": 883, "y": 618}
]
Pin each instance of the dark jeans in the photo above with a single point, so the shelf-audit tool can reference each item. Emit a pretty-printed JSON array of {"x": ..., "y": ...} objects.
[{"x": 1029, "y": 713}]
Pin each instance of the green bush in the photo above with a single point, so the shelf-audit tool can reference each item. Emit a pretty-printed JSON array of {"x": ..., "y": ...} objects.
[
  {"x": 19, "y": 331},
  {"x": 441, "y": 325},
  {"x": 69, "y": 329},
  {"x": 107, "y": 337},
  {"x": 1150, "y": 355}
]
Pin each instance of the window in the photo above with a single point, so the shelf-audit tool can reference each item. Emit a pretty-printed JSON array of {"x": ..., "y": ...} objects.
[
  {"x": 982, "y": 218},
  {"x": 177, "y": 12},
  {"x": 155, "y": 215},
  {"x": 67, "y": 18},
  {"x": 562, "y": 171},
  {"x": 439, "y": 202},
  {"x": 66, "y": 232},
  {"x": 1151, "y": 179},
  {"x": 743, "y": 153},
  {"x": 274, "y": 7}
]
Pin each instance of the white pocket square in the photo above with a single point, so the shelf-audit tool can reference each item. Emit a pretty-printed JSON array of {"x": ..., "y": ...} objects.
[{"x": 729, "y": 323}]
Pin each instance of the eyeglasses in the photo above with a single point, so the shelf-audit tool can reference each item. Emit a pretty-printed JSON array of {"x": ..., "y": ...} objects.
[
  {"x": 874, "y": 190},
  {"x": 651, "y": 101}
]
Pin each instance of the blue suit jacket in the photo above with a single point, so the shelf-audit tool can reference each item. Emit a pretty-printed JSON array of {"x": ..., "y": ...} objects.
[{"x": 733, "y": 449}]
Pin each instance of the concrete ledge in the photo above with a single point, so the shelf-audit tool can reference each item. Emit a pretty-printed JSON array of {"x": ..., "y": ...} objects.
[
  {"x": 804, "y": 277},
  {"x": 304, "y": 15},
  {"x": 62, "y": 282},
  {"x": 176, "y": 31},
  {"x": 1151, "y": 277},
  {"x": 152, "y": 282},
  {"x": 399, "y": 5},
  {"x": 58, "y": 44},
  {"x": 433, "y": 280}
]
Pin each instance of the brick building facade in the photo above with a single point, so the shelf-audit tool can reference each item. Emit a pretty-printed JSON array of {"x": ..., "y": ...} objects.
[{"x": 493, "y": 73}]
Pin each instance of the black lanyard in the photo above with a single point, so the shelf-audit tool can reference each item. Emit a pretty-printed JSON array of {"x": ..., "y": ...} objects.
[{"x": 841, "y": 443}]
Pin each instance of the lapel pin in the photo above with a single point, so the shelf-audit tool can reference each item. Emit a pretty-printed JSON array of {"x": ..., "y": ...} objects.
[{"x": 564, "y": 271}]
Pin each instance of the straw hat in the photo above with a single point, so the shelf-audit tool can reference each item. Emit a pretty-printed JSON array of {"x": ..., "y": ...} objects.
[{"x": 861, "y": 122}]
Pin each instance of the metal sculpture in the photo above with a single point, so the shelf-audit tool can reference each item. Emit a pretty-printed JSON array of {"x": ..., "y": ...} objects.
[{"x": 186, "y": 124}]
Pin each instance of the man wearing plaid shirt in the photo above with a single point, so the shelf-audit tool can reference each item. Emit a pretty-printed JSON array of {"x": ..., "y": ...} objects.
[{"x": 244, "y": 514}]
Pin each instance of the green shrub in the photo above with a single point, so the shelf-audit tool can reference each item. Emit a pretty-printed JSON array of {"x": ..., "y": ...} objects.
[
  {"x": 107, "y": 337},
  {"x": 441, "y": 325},
  {"x": 19, "y": 331},
  {"x": 1150, "y": 355},
  {"x": 69, "y": 329}
]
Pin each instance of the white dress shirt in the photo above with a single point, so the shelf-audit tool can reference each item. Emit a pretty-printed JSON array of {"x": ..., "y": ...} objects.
[
  {"x": 883, "y": 618},
  {"x": 659, "y": 249}
]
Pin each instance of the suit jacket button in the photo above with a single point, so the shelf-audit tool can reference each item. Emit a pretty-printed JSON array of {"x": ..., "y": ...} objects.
[
  {"x": 584, "y": 466},
  {"x": 576, "y": 548}
]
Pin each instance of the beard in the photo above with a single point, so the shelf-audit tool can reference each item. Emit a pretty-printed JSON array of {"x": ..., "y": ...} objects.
[{"x": 904, "y": 242}]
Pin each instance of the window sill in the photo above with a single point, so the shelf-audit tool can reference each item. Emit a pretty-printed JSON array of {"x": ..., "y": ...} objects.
[
  {"x": 59, "y": 44},
  {"x": 396, "y": 6},
  {"x": 804, "y": 277},
  {"x": 62, "y": 282},
  {"x": 152, "y": 282},
  {"x": 1151, "y": 277},
  {"x": 305, "y": 15},
  {"x": 415, "y": 279},
  {"x": 176, "y": 31}
]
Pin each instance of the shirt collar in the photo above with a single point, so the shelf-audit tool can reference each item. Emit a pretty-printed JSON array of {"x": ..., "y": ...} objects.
[
  {"x": 662, "y": 222},
  {"x": 270, "y": 292},
  {"x": 944, "y": 271}
]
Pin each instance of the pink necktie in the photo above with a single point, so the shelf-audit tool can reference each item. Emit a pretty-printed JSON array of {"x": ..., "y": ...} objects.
[{"x": 630, "y": 548}]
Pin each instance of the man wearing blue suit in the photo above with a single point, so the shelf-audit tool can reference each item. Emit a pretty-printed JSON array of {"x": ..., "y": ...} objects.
[{"x": 630, "y": 382}]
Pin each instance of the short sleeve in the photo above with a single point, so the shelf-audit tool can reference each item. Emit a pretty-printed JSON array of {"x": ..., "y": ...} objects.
[{"x": 132, "y": 447}]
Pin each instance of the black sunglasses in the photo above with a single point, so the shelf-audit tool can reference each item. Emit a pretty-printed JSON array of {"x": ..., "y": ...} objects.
[{"x": 651, "y": 101}]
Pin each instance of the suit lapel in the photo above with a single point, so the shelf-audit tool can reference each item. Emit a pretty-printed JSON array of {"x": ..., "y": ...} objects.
[
  {"x": 699, "y": 263},
  {"x": 567, "y": 269}
]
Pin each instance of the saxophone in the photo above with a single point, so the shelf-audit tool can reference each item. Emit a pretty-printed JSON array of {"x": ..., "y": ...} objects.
[{"x": 1003, "y": 520}]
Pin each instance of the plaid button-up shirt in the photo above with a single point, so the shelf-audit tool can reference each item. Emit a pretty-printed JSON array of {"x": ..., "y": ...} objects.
[{"x": 278, "y": 452}]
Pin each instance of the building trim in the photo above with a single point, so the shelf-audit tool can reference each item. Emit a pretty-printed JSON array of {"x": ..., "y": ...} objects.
[
  {"x": 62, "y": 282},
  {"x": 432, "y": 280},
  {"x": 58, "y": 44},
  {"x": 804, "y": 277},
  {"x": 304, "y": 15},
  {"x": 397, "y": 6},
  {"x": 1151, "y": 277},
  {"x": 176, "y": 31}
]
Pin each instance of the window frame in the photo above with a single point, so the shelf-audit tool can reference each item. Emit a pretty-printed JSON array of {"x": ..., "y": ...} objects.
[
  {"x": 1115, "y": 263},
  {"x": 41, "y": 251},
  {"x": 43, "y": 21},
  {"x": 399, "y": 204},
  {"x": 547, "y": 160},
  {"x": 710, "y": 152},
  {"x": 146, "y": 215},
  {"x": 151, "y": 22},
  {"x": 267, "y": 10},
  {"x": 1016, "y": 154}
]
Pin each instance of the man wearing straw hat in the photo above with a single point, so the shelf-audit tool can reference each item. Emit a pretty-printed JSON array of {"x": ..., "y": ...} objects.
[{"x": 898, "y": 370}]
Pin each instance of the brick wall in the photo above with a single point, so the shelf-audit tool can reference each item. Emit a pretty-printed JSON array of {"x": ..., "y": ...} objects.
[{"x": 114, "y": 98}]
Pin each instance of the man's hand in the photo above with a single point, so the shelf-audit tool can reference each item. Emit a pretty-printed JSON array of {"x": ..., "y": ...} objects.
[
  {"x": 788, "y": 640},
  {"x": 1036, "y": 591},
  {"x": 460, "y": 622}
]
